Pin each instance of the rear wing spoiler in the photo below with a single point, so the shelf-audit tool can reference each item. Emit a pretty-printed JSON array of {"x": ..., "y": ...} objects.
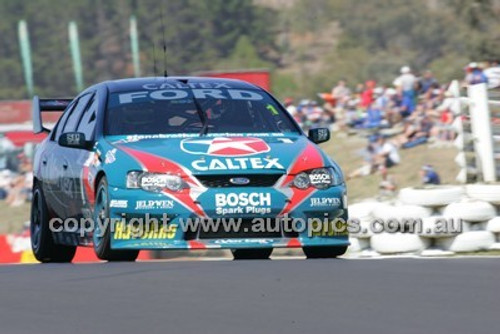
[{"x": 46, "y": 105}]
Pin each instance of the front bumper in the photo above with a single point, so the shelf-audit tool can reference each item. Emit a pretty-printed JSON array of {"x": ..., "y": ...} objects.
[{"x": 177, "y": 212}]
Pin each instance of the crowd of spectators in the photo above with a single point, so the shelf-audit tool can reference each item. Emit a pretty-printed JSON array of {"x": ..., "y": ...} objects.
[
  {"x": 16, "y": 175},
  {"x": 415, "y": 109}
]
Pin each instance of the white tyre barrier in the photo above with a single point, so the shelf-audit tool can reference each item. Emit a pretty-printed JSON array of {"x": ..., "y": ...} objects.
[
  {"x": 362, "y": 210},
  {"x": 493, "y": 225},
  {"x": 439, "y": 227},
  {"x": 471, "y": 210},
  {"x": 369, "y": 253},
  {"x": 474, "y": 226},
  {"x": 485, "y": 192},
  {"x": 467, "y": 242},
  {"x": 364, "y": 230},
  {"x": 386, "y": 211},
  {"x": 354, "y": 246},
  {"x": 393, "y": 243},
  {"x": 495, "y": 246},
  {"x": 435, "y": 253},
  {"x": 431, "y": 195},
  {"x": 358, "y": 245}
]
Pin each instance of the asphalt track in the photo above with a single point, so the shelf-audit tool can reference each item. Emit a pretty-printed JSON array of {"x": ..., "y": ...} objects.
[{"x": 446, "y": 296}]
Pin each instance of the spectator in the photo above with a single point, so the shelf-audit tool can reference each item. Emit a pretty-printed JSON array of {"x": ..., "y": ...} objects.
[
  {"x": 367, "y": 94},
  {"x": 373, "y": 118},
  {"x": 429, "y": 175},
  {"x": 329, "y": 108},
  {"x": 313, "y": 113},
  {"x": 21, "y": 185},
  {"x": 381, "y": 99},
  {"x": 406, "y": 83},
  {"x": 474, "y": 74},
  {"x": 292, "y": 109},
  {"x": 387, "y": 185},
  {"x": 341, "y": 92},
  {"x": 492, "y": 74},
  {"x": 369, "y": 165},
  {"x": 427, "y": 82},
  {"x": 386, "y": 153}
]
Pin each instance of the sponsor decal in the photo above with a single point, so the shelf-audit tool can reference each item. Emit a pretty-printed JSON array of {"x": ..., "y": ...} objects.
[
  {"x": 181, "y": 85},
  {"x": 180, "y": 94},
  {"x": 118, "y": 203},
  {"x": 324, "y": 201},
  {"x": 125, "y": 232},
  {"x": 154, "y": 204},
  {"x": 333, "y": 228},
  {"x": 110, "y": 156},
  {"x": 136, "y": 138},
  {"x": 74, "y": 138},
  {"x": 286, "y": 140},
  {"x": 236, "y": 164},
  {"x": 225, "y": 146},
  {"x": 320, "y": 178},
  {"x": 243, "y": 203}
]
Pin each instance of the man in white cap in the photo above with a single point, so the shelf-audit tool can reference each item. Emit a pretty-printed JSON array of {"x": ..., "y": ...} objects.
[{"x": 406, "y": 82}]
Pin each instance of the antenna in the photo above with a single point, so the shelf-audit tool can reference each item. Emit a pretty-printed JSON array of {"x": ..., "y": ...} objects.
[
  {"x": 155, "y": 68},
  {"x": 165, "y": 74}
]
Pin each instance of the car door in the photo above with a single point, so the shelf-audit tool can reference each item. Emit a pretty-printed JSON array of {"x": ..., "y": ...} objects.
[
  {"x": 82, "y": 159},
  {"x": 68, "y": 161},
  {"x": 49, "y": 167}
]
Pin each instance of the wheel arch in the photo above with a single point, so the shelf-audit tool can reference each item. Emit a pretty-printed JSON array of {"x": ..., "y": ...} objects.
[{"x": 98, "y": 178}]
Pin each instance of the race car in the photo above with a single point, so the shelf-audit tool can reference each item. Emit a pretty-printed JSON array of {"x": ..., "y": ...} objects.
[{"x": 182, "y": 163}]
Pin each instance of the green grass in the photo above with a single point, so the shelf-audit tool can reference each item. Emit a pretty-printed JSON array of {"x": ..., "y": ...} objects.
[{"x": 345, "y": 150}]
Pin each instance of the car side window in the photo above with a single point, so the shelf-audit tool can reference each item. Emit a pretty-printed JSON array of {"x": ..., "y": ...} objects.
[
  {"x": 60, "y": 124},
  {"x": 88, "y": 121},
  {"x": 76, "y": 113}
]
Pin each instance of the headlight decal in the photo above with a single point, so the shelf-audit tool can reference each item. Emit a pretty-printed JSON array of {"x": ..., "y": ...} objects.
[
  {"x": 156, "y": 164},
  {"x": 157, "y": 182},
  {"x": 309, "y": 158}
]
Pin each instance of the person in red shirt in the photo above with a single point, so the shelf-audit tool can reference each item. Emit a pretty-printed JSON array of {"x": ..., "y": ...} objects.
[{"x": 367, "y": 95}]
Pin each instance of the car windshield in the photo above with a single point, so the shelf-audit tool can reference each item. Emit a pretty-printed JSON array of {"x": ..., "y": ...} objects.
[{"x": 200, "y": 111}]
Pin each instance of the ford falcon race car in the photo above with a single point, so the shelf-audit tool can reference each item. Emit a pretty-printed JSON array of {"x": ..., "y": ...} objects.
[{"x": 182, "y": 163}]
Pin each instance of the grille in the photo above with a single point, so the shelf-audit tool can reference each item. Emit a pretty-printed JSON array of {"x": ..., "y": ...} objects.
[{"x": 223, "y": 181}]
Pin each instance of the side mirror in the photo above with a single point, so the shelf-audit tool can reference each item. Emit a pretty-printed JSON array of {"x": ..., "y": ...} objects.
[
  {"x": 319, "y": 135},
  {"x": 75, "y": 140}
]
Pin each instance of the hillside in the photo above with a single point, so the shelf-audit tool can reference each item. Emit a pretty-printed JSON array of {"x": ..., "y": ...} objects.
[{"x": 308, "y": 45}]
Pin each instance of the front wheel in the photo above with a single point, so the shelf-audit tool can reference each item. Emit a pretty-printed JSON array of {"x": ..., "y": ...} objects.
[
  {"x": 42, "y": 243},
  {"x": 324, "y": 252},
  {"x": 252, "y": 253},
  {"x": 102, "y": 239}
]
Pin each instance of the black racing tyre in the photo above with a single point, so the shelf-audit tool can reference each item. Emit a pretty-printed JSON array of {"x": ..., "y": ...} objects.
[
  {"x": 102, "y": 241},
  {"x": 324, "y": 252},
  {"x": 252, "y": 253},
  {"x": 42, "y": 243}
]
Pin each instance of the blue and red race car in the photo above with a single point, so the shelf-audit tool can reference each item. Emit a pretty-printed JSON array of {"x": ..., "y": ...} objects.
[{"x": 182, "y": 163}]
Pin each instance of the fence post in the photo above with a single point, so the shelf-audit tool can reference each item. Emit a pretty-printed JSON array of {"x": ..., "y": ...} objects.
[{"x": 481, "y": 130}]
